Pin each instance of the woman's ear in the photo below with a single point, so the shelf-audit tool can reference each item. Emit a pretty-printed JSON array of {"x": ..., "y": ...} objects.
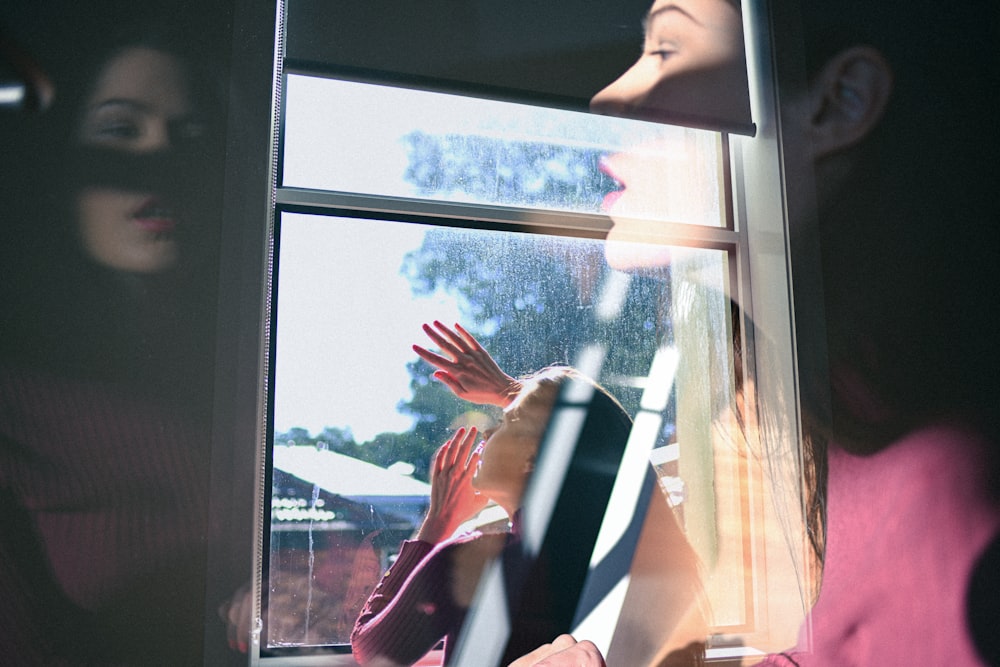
[{"x": 847, "y": 98}]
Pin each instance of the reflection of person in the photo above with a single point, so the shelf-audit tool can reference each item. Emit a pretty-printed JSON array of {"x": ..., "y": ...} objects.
[
  {"x": 117, "y": 231},
  {"x": 692, "y": 66},
  {"x": 908, "y": 227},
  {"x": 692, "y": 61},
  {"x": 425, "y": 594},
  {"x": 139, "y": 107},
  {"x": 106, "y": 373}
]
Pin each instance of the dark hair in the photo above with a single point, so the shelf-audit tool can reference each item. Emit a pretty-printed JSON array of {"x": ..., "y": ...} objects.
[
  {"x": 64, "y": 311},
  {"x": 909, "y": 237},
  {"x": 543, "y": 589},
  {"x": 607, "y": 419},
  {"x": 909, "y": 241}
]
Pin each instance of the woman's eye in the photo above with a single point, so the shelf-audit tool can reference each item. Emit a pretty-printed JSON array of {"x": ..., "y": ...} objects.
[
  {"x": 112, "y": 132},
  {"x": 118, "y": 131},
  {"x": 188, "y": 131},
  {"x": 113, "y": 123},
  {"x": 663, "y": 53}
]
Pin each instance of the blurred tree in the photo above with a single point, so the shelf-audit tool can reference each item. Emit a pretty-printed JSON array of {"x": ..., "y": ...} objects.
[{"x": 530, "y": 299}]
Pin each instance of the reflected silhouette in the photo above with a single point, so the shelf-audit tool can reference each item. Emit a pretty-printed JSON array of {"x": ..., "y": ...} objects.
[
  {"x": 692, "y": 71},
  {"x": 106, "y": 366}
]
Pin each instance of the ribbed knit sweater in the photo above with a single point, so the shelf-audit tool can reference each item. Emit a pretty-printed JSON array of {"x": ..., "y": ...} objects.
[{"x": 102, "y": 525}]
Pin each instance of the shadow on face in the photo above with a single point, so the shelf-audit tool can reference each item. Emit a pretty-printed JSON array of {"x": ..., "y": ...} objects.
[
  {"x": 139, "y": 110},
  {"x": 692, "y": 69}
]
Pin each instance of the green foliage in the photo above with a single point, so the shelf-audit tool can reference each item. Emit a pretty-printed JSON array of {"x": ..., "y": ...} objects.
[
  {"x": 512, "y": 173},
  {"x": 531, "y": 300}
]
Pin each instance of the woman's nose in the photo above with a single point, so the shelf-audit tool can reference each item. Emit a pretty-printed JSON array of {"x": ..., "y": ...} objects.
[
  {"x": 608, "y": 101},
  {"x": 159, "y": 136},
  {"x": 620, "y": 97}
]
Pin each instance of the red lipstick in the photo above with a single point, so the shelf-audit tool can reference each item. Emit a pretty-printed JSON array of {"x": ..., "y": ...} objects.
[{"x": 155, "y": 216}]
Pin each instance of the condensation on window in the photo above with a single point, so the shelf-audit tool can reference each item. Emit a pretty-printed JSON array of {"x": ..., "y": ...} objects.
[
  {"x": 363, "y": 138},
  {"x": 357, "y": 416}
]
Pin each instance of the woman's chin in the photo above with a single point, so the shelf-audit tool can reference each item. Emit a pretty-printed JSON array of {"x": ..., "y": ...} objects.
[{"x": 634, "y": 256}]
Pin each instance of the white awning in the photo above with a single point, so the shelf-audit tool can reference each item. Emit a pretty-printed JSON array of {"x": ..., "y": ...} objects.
[{"x": 345, "y": 475}]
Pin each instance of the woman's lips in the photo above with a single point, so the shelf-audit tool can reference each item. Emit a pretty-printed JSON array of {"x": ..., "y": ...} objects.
[
  {"x": 613, "y": 196},
  {"x": 155, "y": 216},
  {"x": 610, "y": 199}
]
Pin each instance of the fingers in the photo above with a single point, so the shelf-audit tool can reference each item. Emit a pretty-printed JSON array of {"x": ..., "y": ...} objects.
[
  {"x": 432, "y": 358},
  {"x": 445, "y": 338},
  {"x": 468, "y": 448},
  {"x": 442, "y": 460},
  {"x": 564, "y": 651},
  {"x": 456, "y": 340},
  {"x": 455, "y": 447},
  {"x": 453, "y": 499},
  {"x": 469, "y": 339},
  {"x": 457, "y": 451},
  {"x": 563, "y": 642},
  {"x": 580, "y": 654},
  {"x": 560, "y": 643},
  {"x": 237, "y": 616},
  {"x": 449, "y": 381}
]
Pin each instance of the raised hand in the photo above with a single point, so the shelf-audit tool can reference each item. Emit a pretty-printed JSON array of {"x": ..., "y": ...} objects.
[
  {"x": 564, "y": 651},
  {"x": 468, "y": 369},
  {"x": 453, "y": 500}
]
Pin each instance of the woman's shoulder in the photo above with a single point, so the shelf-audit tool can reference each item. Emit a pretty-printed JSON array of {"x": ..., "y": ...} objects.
[{"x": 467, "y": 556}]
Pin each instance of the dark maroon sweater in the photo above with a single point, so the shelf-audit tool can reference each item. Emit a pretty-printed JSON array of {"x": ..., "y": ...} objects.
[
  {"x": 412, "y": 609},
  {"x": 103, "y": 523}
]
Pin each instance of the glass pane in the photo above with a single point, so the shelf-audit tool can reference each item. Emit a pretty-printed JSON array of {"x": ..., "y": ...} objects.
[
  {"x": 356, "y": 415},
  {"x": 378, "y": 140}
]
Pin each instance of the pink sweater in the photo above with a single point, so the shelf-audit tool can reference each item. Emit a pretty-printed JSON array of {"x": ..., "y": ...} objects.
[{"x": 904, "y": 529}]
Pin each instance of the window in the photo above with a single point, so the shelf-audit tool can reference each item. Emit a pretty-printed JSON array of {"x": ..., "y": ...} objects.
[{"x": 397, "y": 205}]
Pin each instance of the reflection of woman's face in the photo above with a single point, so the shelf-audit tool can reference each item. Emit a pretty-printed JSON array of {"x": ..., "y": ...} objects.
[
  {"x": 693, "y": 63},
  {"x": 140, "y": 96},
  {"x": 644, "y": 196},
  {"x": 507, "y": 456}
]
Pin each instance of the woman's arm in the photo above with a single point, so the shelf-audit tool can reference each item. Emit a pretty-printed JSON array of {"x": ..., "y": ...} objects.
[
  {"x": 422, "y": 600},
  {"x": 395, "y": 631},
  {"x": 468, "y": 370},
  {"x": 414, "y": 605}
]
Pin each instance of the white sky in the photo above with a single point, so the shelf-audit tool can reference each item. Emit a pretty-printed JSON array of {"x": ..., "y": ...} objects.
[
  {"x": 341, "y": 135},
  {"x": 346, "y": 322}
]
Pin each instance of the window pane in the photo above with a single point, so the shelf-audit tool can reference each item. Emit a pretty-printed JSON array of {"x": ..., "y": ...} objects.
[
  {"x": 378, "y": 140},
  {"x": 356, "y": 415}
]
